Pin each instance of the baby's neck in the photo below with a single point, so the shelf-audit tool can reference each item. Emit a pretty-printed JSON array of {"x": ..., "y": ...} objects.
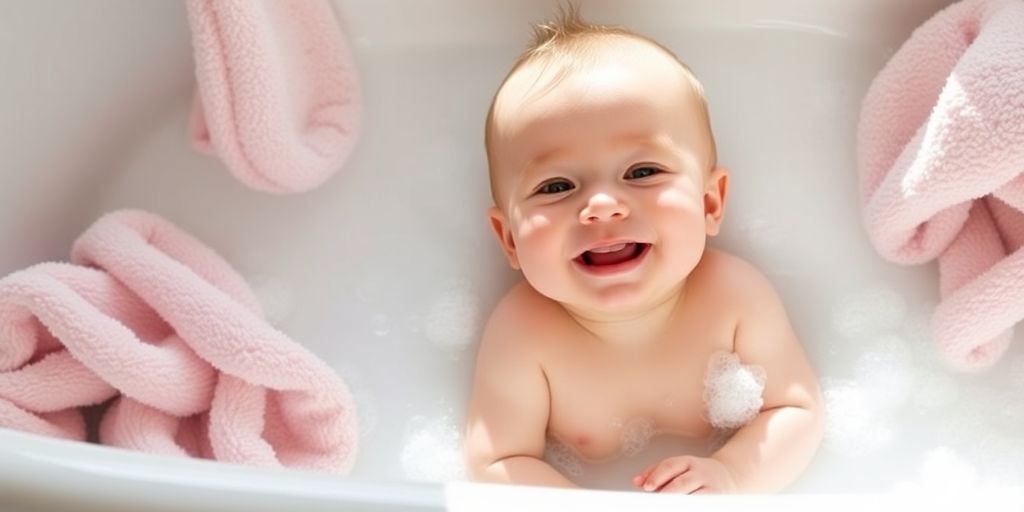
[{"x": 634, "y": 329}]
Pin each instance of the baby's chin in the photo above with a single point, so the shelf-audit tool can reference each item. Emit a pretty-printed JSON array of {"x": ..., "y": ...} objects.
[{"x": 619, "y": 300}]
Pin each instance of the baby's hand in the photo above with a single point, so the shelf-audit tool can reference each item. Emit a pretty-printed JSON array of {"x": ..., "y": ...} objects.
[{"x": 686, "y": 474}]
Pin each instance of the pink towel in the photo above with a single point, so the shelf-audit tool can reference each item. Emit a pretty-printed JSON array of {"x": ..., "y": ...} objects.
[
  {"x": 278, "y": 96},
  {"x": 941, "y": 157},
  {"x": 149, "y": 315}
]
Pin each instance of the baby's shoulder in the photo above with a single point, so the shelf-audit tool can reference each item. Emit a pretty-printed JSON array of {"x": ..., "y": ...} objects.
[
  {"x": 524, "y": 317},
  {"x": 730, "y": 278}
]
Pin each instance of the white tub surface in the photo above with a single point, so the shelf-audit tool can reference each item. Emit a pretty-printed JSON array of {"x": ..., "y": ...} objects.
[{"x": 388, "y": 270}]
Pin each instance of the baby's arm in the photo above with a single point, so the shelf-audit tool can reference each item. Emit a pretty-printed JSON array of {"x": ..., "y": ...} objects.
[
  {"x": 770, "y": 452},
  {"x": 508, "y": 413}
]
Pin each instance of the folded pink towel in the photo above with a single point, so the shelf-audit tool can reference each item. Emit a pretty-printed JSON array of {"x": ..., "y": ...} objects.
[
  {"x": 154, "y": 318},
  {"x": 278, "y": 96},
  {"x": 941, "y": 157}
]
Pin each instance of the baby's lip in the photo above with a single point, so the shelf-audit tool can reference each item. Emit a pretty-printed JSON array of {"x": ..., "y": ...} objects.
[
  {"x": 607, "y": 246},
  {"x": 606, "y": 259}
]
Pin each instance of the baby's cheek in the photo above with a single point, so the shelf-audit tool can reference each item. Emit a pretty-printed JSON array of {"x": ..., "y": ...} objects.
[
  {"x": 680, "y": 201},
  {"x": 681, "y": 226},
  {"x": 537, "y": 239},
  {"x": 538, "y": 248},
  {"x": 533, "y": 227}
]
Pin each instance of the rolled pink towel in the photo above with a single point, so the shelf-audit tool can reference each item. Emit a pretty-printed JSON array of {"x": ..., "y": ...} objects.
[
  {"x": 278, "y": 95},
  {"x": 154, "y": 318},
  {"x": 941, "y": 157}
]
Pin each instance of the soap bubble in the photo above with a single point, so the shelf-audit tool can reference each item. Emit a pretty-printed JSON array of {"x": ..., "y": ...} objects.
[
  {"x": 732, "y": 391},
  {"x": 999, "y": 459},
  {"x": 636, "y": 435},
  {"x": 872, "y": 311},
  {"x": 944, "y": 469},
  {"x": 453, "y": 318},
  {"x": 885, "y": 371},
  {"x": 432, "y": 450},
  {"x": 851, "y": 427},
  {"x": 563, "y": 458}
]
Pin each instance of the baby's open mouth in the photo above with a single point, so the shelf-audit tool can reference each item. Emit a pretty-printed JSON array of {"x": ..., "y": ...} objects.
[{"x": 612, "y": 255}]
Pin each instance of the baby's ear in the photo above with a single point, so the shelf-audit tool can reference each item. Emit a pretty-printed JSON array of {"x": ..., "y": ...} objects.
[
  {"x": 715, "y": 190},
  {"x": 499, "y": 225}
]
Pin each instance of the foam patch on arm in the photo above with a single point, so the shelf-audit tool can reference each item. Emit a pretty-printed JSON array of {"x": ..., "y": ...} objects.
[{"x": 732, "y": 391}]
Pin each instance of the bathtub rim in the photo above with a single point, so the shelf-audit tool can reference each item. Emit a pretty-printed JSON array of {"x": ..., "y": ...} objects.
[{"x": 127, "y": 480}]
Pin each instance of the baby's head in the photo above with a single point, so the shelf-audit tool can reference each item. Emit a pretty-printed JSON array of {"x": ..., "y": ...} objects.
[{"x": 603, "y": 167}]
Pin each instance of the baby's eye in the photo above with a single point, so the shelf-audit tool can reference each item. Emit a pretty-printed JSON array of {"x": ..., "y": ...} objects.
[
  {"x": 637, "y": 173},
  {"x": 555, "y": 187}
]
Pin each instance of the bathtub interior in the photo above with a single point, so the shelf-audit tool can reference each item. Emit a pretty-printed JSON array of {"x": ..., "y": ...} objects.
[{"x": 388, "y": 270}]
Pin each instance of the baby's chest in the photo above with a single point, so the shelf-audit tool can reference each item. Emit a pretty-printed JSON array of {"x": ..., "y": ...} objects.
[{"x": 606, "y": 410}]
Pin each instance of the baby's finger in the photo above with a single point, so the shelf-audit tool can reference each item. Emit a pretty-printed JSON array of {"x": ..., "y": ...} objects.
[
  {"x": 642, "y": 477},
  {"x": 686, "y": 483},
  {"x": 665, "y": 472}
]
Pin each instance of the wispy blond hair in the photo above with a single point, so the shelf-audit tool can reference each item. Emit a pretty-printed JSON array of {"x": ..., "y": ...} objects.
[{"x": 566, "y": 41}]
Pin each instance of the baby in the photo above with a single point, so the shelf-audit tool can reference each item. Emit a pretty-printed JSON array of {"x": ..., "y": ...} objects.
[{"x": 606, "y": 186}]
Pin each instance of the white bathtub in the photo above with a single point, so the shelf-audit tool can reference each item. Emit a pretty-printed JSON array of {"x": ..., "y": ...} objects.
[{"x": 387, "y": 270}]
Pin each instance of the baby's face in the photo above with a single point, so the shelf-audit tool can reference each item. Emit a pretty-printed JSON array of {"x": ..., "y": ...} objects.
[{"x": 602, "y": 179}]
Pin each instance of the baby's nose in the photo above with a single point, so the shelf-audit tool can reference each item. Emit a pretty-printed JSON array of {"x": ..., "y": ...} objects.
[{"x": 603, "y": 207}]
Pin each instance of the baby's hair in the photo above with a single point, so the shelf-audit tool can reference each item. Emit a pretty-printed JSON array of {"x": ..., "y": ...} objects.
[{"x": 566, "y": 41}]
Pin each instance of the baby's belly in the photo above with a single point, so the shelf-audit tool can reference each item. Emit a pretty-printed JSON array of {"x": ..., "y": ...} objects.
[{"x": 615, "y": 469}]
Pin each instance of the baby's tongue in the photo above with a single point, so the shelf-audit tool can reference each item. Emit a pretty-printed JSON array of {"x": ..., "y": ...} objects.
[{"x": 613, "y": 257}]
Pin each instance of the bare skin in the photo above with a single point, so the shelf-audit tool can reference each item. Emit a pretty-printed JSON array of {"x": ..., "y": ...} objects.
[{"x": 606, "y": 193}]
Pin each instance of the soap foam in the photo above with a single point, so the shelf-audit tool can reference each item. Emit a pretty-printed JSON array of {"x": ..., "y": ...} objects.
[
  {"x": 561, "y": 457},
  {"x": 636, "y": 435},
  {"x": 432, "y": 450},
  {"x": 852, "y": 427},
  {"x": 886, "y": 372},
  {"x": 732, "y": 391},
  {"x": 943, "y": 471}
]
